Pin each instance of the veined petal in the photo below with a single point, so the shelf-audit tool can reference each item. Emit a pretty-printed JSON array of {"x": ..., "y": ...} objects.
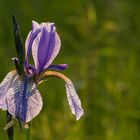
[
  {"x": 30, "y": 39},
  {"x": 24, "y": 100},
  {"x": 46, "y": 46},
  {"x": 73, "y": 99},
  {"x": 4, "y": 86},
  {"x": 58, "y": 67}
]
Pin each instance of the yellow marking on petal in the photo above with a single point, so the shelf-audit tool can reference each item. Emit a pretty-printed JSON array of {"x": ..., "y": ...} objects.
[
  {"x": 13, "y": 72},
  {"x": 56, "y": 74}
]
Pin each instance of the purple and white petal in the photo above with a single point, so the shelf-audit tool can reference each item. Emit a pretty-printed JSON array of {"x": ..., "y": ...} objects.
[
  {"x": 4, "y": 86},
  {"x": 58, "y": 67},
  {"x": 30, "y": 39},
  {"x": 24, "y": 100},
  {"x": 46, "y": 46},
  {"x": 73, "y": 99}
]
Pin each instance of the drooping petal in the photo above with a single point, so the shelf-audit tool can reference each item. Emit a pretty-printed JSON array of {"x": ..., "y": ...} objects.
[
  {"x": 24, "y": 100},
  {"x": 46, "y": 46},
  {"x": 30, "y": 39},
  {"x": 73, "y": 99},
  {"x": 58, "y": 67},
  {"x": 4, "y": 86}
]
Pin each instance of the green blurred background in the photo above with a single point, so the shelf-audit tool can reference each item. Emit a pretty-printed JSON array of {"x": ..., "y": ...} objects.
[{"x": 101, "y": 44}]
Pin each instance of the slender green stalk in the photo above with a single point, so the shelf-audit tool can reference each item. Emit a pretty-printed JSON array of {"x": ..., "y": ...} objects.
[
  {"x": 28, "y": 132},
  {"x": 10, "y": 131}
]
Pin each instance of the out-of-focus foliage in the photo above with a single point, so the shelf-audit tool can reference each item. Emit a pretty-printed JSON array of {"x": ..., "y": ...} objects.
[{"x": 101, "y": 43}]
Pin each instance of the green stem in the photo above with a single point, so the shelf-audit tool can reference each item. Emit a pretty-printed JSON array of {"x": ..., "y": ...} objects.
[
  {"x": 10, "y": 131},
  {"x": 28, "y": 132}
]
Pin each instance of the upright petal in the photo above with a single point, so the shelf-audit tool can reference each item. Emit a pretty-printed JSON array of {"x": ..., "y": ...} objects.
[
  {"x": 24, "y": 100},
  {"x": 4, "y": 86},
  {"x": 73, "y": 99},
  {"x": 46, "y": 46},
  {"x": 30, "y": 39}
]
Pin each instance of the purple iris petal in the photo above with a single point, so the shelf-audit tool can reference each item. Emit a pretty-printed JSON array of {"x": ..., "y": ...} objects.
[
  {"x": 4, "y": 85},
  {"x": 58, "y": 67},
  {"x": 23, "y": 99},
  {"x": 45, "y": 46},
  {"x": 30, "y": 39},
  {"x": 73, "y": 99}
]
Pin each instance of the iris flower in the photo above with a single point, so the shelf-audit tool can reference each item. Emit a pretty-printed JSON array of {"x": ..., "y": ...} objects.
[{"x": 18, "y": 91}]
